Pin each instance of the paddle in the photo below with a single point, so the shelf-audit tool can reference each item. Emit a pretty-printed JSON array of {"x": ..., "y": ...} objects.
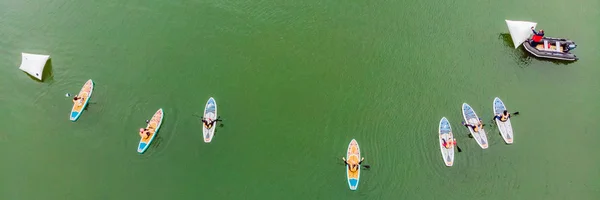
[
  {"x": 459, "y": 150},
  {"x": 365, "y": 165}
]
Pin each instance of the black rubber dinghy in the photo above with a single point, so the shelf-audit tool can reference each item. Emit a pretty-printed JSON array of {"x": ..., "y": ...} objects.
[{"x": 552, "y": 48}]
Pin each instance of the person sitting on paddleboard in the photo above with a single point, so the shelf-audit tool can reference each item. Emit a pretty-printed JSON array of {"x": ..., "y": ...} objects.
[
  {"x": 353, "y": 166},
  {"x": 208, "y": 123},
  {"x": 449, "y": 144},
  {"x": 144, "y": 133},
  {"x": 475, "y": 127},
  {"x": 503, "y": 117},
  {"x": 77, "y": 99},
  {"x": 537, "y": 37}
]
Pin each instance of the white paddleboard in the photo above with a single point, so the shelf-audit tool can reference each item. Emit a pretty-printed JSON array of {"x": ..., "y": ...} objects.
[
  {"x": 505, "y": 128},
  {"x": 210, "y": 113},
  {"x": 471, "y": 118},
  {"x": 445, "y": 133}
]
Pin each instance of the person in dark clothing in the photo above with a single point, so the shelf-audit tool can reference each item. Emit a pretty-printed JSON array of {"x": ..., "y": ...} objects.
[
  {"x": 503, "y": 117},
  {"x": 208, "y": 123},
  {"x": 475, "y": 127}
]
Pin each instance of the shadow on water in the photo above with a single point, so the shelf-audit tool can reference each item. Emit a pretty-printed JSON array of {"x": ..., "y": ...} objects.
[
  {"x": 88, "y": 105},
  {"x": 157, "y": 141},
  {"x": 522, "y": 57},
  {"x": 47, "y": 74},
  {"x": 221, "y": 125}
]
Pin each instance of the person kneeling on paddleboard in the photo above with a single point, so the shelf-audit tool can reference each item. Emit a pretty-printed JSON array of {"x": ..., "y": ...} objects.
[
  {"x": 353, "y": 166},
  {"x": 475, "y": 127},
  {"x": 503, "y": 117},
  {"x": 449, "y": 144}
]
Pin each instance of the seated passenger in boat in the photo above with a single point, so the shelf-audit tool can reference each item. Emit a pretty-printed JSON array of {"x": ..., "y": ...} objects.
[{"x": 537, "y": 37}]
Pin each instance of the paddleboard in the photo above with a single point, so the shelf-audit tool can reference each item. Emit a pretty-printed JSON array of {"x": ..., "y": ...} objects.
[
  {"x": 210, "y": 113},
  {"x": 85, "y": 93},
  {"x": 353, "y": 154},
  {"x": 153, "y": 127},
  {"x": 471, "y": 118},
  {"x": 445, "y": 133},
  {"x": 505, "y": 127}
]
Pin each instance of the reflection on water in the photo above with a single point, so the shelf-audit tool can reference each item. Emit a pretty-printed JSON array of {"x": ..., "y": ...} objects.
[
  {"x": 47, "y": 74},
  {"x": 521, "y": 57}
]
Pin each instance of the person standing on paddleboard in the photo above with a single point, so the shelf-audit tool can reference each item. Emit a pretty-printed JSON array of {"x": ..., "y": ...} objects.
[
  {"x": 352, "y": 165},
  {"x": 503, "y": 117}
]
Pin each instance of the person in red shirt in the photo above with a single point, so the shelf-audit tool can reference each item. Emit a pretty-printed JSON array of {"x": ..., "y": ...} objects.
[
  {"x": 449, "y": 144},
  {"x": 537, "y": 37}
]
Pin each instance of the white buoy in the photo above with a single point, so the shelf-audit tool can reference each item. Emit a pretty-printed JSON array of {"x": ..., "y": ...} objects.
[{"x": 67, "y": 95}]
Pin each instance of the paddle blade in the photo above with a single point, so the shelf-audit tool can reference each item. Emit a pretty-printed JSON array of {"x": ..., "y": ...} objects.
[
  {"x": 516, "y": 113},
  {"x": 459, "y": 150}
]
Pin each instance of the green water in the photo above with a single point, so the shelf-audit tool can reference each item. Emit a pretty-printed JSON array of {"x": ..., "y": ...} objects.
[{"x": 295, "y": 81}]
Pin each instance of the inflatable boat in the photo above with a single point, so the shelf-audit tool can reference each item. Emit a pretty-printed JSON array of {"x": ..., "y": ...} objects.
[{"x": 551, "y": 48}]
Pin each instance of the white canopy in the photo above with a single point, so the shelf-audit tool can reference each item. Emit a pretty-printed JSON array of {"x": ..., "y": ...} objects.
[
  {"x": 520, "y": 31},
  {"x": 34, "y": 64}
]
